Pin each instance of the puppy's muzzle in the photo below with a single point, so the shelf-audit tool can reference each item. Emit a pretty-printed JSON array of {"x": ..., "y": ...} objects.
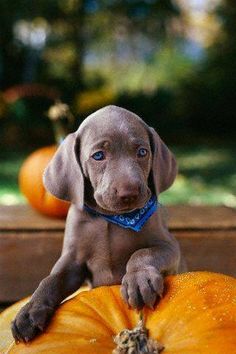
[{"x": 128, "y": 194}]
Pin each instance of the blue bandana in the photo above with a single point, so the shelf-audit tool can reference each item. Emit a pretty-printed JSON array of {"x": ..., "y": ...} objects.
[{"x": 133, "y": 220}]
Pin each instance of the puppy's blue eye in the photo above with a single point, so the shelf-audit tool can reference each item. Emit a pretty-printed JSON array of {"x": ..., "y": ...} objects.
[
  {"x": 142, "y": 152},
  {"x": 98, "y": 156}
]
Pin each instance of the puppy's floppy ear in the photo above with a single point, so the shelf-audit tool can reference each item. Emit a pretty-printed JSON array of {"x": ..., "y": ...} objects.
[
  {"x": 164, "y": 166},
  {"x": 63, "y": 176}
]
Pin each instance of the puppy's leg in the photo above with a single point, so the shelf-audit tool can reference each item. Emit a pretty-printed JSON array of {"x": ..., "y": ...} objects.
[
  {"x": 143, "y": 281},
  {"x": 66, "y": 277}
]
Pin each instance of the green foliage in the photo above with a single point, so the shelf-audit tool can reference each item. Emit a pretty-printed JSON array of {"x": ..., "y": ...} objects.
[
  {"x": 9, "y": 168},
  {"x": 207, "y": 175},
  {"x": 74, "y": 28},
  {"x": 208, "y": 97}
]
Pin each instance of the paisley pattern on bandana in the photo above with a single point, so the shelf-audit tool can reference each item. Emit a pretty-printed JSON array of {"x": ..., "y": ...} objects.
[{"x": 133, "y": 220}]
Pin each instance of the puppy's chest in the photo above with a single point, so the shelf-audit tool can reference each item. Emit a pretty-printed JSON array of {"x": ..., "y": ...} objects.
[{"x": 110, "y": 248}]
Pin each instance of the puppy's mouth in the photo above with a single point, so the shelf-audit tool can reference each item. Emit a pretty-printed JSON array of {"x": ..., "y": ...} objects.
[
  {"x": 116, "y": 207},
  {"x": 109, "y": 210}
]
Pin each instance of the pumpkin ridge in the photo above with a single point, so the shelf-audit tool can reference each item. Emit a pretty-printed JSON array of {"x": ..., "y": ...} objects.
[
  {"x": 97, "y": 320},
  {"x": 98, "y": 314},
  {"x": 212, "y": 310},
  {"x": 176, "y": 289},
  {"x": 114, "y": 292},
  {"x": 51, "y": 345},
  {"x": 175, "y": 302},
  {"x": 193, "y": 321}
]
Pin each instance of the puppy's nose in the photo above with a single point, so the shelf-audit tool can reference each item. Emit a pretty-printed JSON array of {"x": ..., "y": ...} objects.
[{"x": 128, "y": 193}]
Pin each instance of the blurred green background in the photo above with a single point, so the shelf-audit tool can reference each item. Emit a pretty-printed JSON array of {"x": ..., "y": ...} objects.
[{"x": 171, "y": 62}]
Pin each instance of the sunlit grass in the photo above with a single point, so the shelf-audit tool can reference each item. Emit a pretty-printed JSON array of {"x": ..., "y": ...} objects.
[
  {"x": 196, "y": 191},
  {"x": 207, "y": 175},
  {"x": 9, "y": 197},
  {"x": 9, "y": 168}
]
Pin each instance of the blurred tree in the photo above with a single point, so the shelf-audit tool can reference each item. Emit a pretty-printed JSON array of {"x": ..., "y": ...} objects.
[
  {"x": 11, "y": 55},
  {"x": 208, "y": 99},
  {"x": 77, "y": 45},
  {"x": 62, "y": 33}
]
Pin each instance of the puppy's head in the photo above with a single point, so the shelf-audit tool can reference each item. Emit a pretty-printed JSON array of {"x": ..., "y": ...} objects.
[{"x": 113, "y": 162}]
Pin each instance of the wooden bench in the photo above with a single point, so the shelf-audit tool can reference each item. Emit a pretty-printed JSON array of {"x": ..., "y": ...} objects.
[{"x": 30, "y": 244}]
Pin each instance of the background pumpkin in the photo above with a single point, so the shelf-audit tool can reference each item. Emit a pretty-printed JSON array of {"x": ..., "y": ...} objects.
[
  {"x": 31, "y": 172},
  {"x": 31, "y": 183},
  {"x": 196, "y": 315}
]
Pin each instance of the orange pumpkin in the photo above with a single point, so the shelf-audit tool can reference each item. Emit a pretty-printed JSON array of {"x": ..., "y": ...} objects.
[
  {"x": 196, "y": 315},
  {"x": 31, "y": 183},
  {"x": 31, "y": 172}
]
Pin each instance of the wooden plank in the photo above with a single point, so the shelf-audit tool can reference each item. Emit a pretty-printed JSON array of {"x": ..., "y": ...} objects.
[
  {"x": 25, "y": 259},
  {"x": 201, "y": 217},
  {"x": 23, "y": 217},
  {"x": 180, "y": 217},
  {"x": 209, "y": 250},
  {"x": 31, "y": 243}
]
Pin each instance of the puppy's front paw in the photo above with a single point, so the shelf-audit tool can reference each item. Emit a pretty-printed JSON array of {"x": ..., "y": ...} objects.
[
  {"x": 142, "y": 287},
  {"x": 32, "y": 319}
]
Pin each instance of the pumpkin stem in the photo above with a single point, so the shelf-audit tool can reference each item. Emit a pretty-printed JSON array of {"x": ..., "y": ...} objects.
[
  {"x": 136, "y": 341},
  {"x": 61, "y": 118}
]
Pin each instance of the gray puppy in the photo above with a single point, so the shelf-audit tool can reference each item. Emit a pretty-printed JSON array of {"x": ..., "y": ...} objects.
[{"x": 111, "y": 170}]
